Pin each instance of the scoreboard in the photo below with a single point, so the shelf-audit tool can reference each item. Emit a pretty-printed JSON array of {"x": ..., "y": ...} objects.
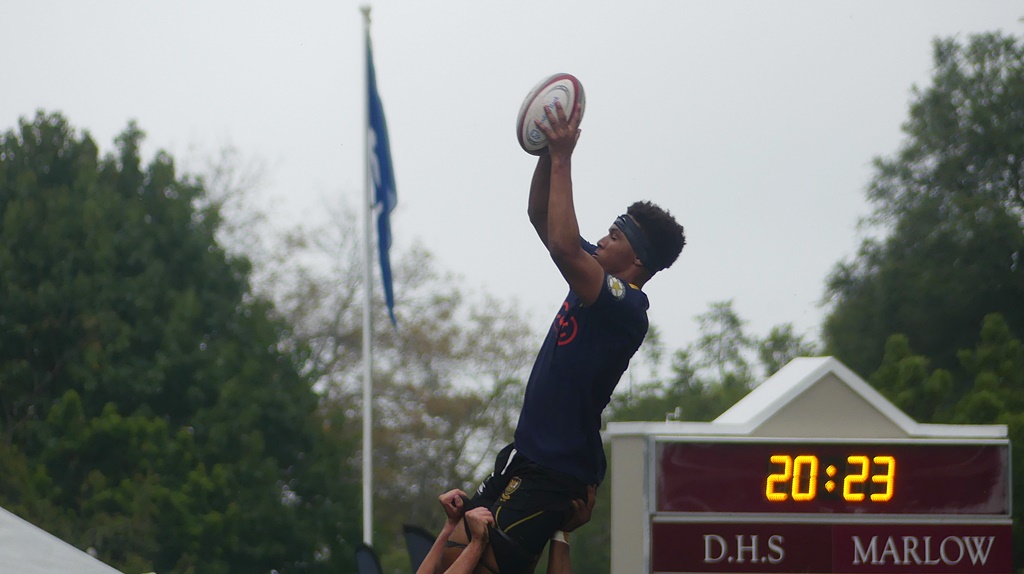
[
  {"x": 756, "y": 505},
  {"x": 834, "y": 478},
  {"x": 813, "y": 471}
]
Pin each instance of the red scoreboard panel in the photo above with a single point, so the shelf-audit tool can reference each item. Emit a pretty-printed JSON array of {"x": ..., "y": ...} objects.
[
  {"x": 754, "y": 505},
  {"x": 834, "y": 478}
]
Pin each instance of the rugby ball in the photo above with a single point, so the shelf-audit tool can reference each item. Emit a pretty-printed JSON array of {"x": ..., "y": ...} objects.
[{"x": 564, "y": 88}]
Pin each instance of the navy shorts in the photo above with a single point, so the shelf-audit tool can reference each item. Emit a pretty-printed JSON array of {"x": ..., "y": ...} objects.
[{"x": 529, "y": 503}]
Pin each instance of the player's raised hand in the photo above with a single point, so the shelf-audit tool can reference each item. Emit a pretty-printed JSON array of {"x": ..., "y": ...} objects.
[
  {"x": 451, "y": 502},
  {"x": 562, "y": 133}
]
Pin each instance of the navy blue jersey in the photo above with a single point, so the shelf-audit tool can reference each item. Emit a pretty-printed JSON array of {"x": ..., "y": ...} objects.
[{"x": 582, "y": 359}]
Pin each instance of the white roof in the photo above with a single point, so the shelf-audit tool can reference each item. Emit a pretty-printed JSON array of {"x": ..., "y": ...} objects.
[
  {"x": 28, "y": 549},
  {"x": 787, "y": 387}
]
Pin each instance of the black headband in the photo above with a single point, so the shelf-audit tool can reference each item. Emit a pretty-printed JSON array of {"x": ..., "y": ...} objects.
[{"x": 638, "y": 241}]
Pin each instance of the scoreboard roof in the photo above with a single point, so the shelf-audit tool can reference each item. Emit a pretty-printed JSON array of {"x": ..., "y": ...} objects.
[{"x": 28, "y": 549}]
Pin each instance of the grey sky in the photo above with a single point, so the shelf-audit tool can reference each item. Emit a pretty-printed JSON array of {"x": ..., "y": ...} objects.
[{"x": 754, "y": 122}]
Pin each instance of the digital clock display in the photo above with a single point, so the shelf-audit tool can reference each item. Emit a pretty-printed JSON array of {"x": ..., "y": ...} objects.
[{"x": 833, "y": 478}]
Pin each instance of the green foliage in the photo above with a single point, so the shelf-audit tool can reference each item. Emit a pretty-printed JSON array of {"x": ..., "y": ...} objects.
[
  {"x": 781, "y": 346},
  {"x": 722, "y": 343},
  {"x": 905, "y": 377},
  {"x": 152, "y": 408},
  {"x": 951, "y": 202},
  {"x": 994, "y": 365}
]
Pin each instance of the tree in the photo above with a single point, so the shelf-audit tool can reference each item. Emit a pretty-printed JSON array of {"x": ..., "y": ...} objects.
[
  {"x": 781, "y": 346},
  {"x": 908, "y": 380},
  {"x": 722, "y": 345},
  {"x": 947, "y": 212},
  {"x": 156, "y": 408},
  {"x": 995, "y": 370}
]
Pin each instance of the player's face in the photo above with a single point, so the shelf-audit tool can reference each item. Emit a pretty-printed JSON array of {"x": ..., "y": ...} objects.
[{"x": 614, "y": 252}]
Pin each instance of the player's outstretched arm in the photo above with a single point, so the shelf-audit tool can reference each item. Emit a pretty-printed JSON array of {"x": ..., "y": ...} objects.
[
  {"x": 539, "y": 187},
  {"x": 581, "y": 271}
]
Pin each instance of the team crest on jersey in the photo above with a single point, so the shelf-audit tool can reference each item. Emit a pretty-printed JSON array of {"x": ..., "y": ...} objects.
[
  {"x": 513, "y": 485},
  {"x": 618, "y": 290}
]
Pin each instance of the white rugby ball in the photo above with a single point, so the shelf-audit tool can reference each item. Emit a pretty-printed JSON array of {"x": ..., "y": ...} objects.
[{"x": 564, "y": 88}]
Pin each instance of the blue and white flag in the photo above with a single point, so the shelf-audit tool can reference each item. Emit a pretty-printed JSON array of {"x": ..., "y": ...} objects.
[{"x": 383, "y": 175}]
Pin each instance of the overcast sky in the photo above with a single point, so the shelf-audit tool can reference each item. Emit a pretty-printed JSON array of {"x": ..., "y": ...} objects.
[{"x": 754, "y": 122}]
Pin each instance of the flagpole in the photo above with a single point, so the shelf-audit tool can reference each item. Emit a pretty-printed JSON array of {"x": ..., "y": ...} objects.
[{"x": 367, "y": 295}]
